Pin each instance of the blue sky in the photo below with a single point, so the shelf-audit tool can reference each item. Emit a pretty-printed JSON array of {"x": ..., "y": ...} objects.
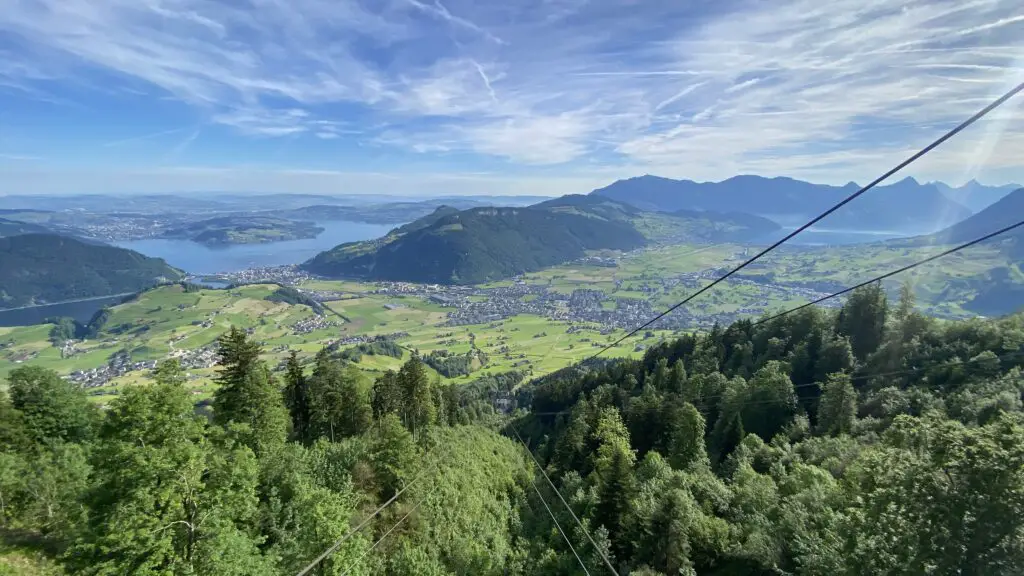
[{"x": 512, "y": 97}]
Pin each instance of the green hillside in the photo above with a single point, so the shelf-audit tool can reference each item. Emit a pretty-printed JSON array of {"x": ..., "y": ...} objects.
[
  {"x": 997, "y": 290},
  {"x": 244, "y": 230},
  {"x": 477, "y": 245},
  {"x": 15, "y": 228},
  {"x": 41, "y": 268},
  {"x": 484, "y": 244}
]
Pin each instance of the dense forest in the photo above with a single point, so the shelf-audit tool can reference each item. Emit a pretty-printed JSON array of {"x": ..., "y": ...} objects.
[
  {"x": 40, "y": 268},
  {"x": 867, "y": 440}
]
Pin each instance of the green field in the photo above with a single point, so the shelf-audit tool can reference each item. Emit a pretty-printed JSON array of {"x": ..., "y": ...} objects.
[{"x": 165, "y": 321}]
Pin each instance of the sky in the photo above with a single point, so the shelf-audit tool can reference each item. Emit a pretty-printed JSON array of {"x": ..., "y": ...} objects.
[{"x": 539, "y": 97}]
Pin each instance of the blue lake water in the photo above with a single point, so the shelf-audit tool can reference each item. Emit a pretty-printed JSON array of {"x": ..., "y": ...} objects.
[
  {"x": 196, "y": 258},
  {"x": 828, "y": 237},
  {"x": 81, "y": 311}
]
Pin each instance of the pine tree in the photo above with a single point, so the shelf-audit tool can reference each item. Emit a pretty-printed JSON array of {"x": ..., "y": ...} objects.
[
  {"x": 418, "y": 409},
  {"x": 169, "y": 372},
  {"x": 296, "y": 398},
  {"x": 248, "y": 394},
  {"x": 337, "y": 406},
  {"x": 685, "y": 432},
  {"x": 660, "y": 377},
  {"x": 862, "y": 319},
  {"x": 838, "y": 409},
  {"x": 677, "y": 378},
  {"x": 386, "y": 395},
  {"x": 238, "y": 354}
]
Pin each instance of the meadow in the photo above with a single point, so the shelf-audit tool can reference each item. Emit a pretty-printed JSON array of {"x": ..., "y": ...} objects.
[{"x": 168, "y": 320}]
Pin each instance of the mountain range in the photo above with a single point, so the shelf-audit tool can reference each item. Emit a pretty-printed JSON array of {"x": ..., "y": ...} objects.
[{"x": 906, "y": 206}]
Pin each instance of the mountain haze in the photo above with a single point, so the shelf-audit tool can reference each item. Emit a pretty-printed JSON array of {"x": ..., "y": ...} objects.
[
  {"x": 999, "y": 290},
  {"x": 976, "y": 195},
  {"x": 906, "y": 206}
]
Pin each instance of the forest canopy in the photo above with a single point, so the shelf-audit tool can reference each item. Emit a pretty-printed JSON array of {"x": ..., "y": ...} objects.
[{"x": 866, "y": 440}]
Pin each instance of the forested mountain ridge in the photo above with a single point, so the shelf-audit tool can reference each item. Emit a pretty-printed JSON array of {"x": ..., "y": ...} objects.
[
  {"x": 40, "y": 268},
  {"x": 243, "y": 230},
  {"x": 481, "y": 244},
  {"x": 15, "y": 228},
  {"x": 906, "y": 205},
  {"x": 476, "y": 245}
]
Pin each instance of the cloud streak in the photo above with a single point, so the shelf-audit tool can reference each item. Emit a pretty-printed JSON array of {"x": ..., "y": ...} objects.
[{"x": 828, "y": 91}]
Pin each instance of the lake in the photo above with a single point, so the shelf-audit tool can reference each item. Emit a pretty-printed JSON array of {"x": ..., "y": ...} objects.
[
  {"x": 828, "y": 237},
  {"x": 81, "y": 310},
  {"x": 199, "y": 259}
]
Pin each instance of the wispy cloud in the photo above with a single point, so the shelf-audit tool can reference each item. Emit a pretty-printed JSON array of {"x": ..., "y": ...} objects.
[
  {"x": 139, "y": 138},
  {"x": 821, "y": 90},
  {"x": 19, "y": 157}
]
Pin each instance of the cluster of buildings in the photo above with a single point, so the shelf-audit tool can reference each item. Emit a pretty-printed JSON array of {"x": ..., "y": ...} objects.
[
  {"x": 312, "y": 323},
  {"x": 288, "y": 274},
  {"x": 119, "y": 365}
]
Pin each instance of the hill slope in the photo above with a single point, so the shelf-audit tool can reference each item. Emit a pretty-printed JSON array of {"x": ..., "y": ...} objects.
[
  {"x": 1006, "y": 211},
  {"x": 14, "y": 228},
  {"x": 677, "y": 226},
  {"x": 41, "y": 268},
  {"x": 482, "y": 244},
  {"x": 1001, "y": 289},
  {"x": 906, "y": 205},
  {"x": 244, "y": 230},
  {"x": 976, "y": 195},
  {"x": 477, "y": 245}
]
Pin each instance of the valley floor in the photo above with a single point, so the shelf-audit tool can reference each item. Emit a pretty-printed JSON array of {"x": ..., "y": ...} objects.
[{"x": 536, "y": 324}]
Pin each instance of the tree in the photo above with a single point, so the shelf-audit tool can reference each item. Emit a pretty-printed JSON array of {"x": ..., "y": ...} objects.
[
  {"x": 614, "y": 468},
  {"x": 770, "y": 401},
  {"x": 685, "y": 434},
  {"x": 939, "y": 497},
  {"x": 392, "y": 454},
  {"x": 238, "y": 356},
  {"x": 862, "y": 319},
  {"x": 836, "y": 355},
  {"x": 338, "y": 408},
  {"x": 660, "y": 376},
  {"x": 248, "y": 394},
  {"x": 14, "y": 435},
  {"x": 184, "y": 506},
  {"x": 169, "y": 372},
  {"x": 296, "y": 398},
  {"x": 386, "y": 395},
  {"x": 51, "y": 408},
  {"x": 677, "y": 378},
  {"x": 906, "y": 304},
  {"x": 837, "y": 411},
  {"x": 418, "y": 408}
]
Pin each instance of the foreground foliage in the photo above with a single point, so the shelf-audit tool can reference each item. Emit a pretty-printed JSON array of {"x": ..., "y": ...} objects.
[{"x": 870, "y": 440}]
